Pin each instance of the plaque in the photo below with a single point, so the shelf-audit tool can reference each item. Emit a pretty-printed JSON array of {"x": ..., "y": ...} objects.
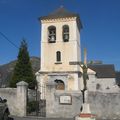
[{"x": 66, "y": 99}]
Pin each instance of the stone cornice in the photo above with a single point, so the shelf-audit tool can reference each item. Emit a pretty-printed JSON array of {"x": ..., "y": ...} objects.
[
  {"x": 50, "y": 72},
  {"x": 59, "y": 20}
]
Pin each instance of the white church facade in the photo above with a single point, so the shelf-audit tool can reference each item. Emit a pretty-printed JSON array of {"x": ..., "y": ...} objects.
[{"x": 60, "y": 45}]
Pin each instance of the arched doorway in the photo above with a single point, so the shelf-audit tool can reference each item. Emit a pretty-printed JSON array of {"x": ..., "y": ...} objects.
[{"x": 60, "y": 85}]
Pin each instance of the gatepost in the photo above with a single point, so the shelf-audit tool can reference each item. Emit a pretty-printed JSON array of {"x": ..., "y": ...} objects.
[{"x": 22, "y": 98}]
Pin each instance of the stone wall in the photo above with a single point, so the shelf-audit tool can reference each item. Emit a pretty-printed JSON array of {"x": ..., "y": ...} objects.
[
  {"x": 16, "y": 98},
  {"x": 55, "y": 109},
  {"x": 105, "y": 105},
  {"x": 10, "y": 95}
]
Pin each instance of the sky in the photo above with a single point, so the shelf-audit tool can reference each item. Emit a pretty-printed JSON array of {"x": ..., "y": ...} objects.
[{"x": 100, "y": 33}]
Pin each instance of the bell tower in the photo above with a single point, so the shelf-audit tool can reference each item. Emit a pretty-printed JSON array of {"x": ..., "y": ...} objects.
[
  {"x": 60, "y": 41},
  {"x": 60, "y": 44}
]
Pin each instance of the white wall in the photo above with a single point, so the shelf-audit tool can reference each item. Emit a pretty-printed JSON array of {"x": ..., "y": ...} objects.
[
  {"x": 70, "y": 51},
  {"x": 91, "y": 83},
  {"x": 106, "y": 85}
]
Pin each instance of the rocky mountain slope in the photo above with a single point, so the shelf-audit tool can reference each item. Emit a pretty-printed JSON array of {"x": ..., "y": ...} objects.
[{"x": 6, "y": 70}]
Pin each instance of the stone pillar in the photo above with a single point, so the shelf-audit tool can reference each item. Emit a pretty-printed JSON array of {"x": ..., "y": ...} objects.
[
  {"x": 86, "y": 106},
  {"x": 22, "y": 98},
  {"x": 50, "y": 98},
  {"x": 86, "y": 96},
  {"x": 41, "y": 85}
]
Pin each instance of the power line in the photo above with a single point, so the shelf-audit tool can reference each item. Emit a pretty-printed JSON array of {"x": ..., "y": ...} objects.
[{"x": 8, "y": 40}]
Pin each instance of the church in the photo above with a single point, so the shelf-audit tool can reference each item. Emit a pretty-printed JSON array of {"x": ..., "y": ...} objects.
[
  {"x": 60, "y": 82},
  {"x": 60, "y": 44}
]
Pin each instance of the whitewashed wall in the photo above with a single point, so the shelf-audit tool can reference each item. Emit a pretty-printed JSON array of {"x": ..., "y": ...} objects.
[{"x": 106, "y": 85}]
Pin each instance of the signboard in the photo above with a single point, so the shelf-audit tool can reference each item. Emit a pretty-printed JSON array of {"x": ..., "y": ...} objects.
[{"x": 66, "y": 99}]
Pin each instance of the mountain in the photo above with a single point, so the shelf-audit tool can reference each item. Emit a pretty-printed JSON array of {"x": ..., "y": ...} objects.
[{"x": 6, "y": 70}]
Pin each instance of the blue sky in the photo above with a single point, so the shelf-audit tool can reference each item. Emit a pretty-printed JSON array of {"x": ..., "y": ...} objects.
[{"x": 100, "y": 33}]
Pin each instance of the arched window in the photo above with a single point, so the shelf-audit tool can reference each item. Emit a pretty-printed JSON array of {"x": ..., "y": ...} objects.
[
  {"x": 65, "y": 33},
  {"x": 51, "y": 34},
  {"x": 60, "y": 85},
  {"x": 58, "y": 56}
]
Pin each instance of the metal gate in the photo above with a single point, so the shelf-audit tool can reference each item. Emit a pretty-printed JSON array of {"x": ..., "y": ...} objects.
[
  {"x": 35, "y": 106},
  {"x": 42, "y": 108}
]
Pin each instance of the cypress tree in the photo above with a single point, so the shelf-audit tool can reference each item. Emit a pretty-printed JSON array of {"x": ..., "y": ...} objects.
[{"x": 23, "y": 69}]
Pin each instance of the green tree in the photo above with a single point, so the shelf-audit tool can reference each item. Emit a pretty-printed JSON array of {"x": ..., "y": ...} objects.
[{"x": 23, "y": 70}]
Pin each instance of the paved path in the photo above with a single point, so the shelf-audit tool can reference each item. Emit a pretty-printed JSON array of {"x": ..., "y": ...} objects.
[{"x": 39, "y": 118}]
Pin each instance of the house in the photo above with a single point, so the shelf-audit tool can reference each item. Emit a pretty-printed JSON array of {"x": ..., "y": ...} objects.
[{"x": 102, "y": 78}]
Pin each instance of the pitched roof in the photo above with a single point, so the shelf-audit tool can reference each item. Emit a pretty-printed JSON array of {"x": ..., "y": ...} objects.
[
  {"x": 61, "y": 13},
  {"x": 103, "y": 70}
]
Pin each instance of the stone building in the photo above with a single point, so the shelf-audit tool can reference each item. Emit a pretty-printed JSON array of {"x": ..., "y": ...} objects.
[
  {"x": 60, "y": 44},
  {"x": 59, "y": 82},
  {"x": 102, "y": 78}
]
